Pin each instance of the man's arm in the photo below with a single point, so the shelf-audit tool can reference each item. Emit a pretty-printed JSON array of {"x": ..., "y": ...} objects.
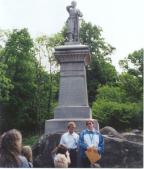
[
  {"x": 68, "y": 8},
  {"x": 62, "y": 140}
]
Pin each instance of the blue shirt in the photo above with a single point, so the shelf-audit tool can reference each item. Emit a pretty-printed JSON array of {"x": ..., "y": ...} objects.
[{"x": 91, "y": 139}]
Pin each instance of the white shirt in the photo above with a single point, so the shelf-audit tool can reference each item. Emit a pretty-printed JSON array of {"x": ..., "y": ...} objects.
[
  {"x": 70, "y": 140},
  {"x": 91, "y": 139}
]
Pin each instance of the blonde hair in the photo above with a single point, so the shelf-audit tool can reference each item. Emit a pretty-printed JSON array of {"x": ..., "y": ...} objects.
[
  {"x": 71, "y": 123},
  {"x": 27, "y": 152}
]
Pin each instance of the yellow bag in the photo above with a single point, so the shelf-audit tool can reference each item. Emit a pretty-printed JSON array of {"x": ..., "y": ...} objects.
[{"x": 92, "y": 155}]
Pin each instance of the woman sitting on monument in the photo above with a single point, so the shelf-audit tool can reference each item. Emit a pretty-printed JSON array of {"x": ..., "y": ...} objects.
[{"x": 10, "y": 150}]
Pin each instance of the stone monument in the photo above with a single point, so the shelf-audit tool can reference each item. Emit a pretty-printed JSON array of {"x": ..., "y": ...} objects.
[{"x": 73, "y": 99}]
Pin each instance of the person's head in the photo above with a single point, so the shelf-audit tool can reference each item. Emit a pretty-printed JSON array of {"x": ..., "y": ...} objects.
[
  {"x": 10, "y": 148},
  {"x": 61, "y": 149},
  {"x": 71, "y": 127},
  {"x": 12, "y": 141},
  {"x": 59, "y": 160},
  {"x": 90, "y": 124},
  {"x": 27, "y": 152},
  {"x": 73, "y": 3}
]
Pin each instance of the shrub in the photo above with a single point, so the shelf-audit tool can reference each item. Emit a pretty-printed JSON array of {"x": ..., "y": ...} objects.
[{"x": 118, "y": 115}]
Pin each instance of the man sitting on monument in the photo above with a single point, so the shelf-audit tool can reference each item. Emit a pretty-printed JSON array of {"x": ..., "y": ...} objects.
[
  {"x": 70, "y": 139},
  {"x": 90, "y": 139}
]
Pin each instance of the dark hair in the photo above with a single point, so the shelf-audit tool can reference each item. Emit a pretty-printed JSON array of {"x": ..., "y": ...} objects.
[
  {"x": 61, "y": 149},
  {"x": 10, "y": 149}
]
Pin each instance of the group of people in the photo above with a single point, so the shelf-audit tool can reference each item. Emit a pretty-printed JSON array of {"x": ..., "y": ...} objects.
[
  {"x": 71, "y": 143},
  {"x": 12, "y": 153}
]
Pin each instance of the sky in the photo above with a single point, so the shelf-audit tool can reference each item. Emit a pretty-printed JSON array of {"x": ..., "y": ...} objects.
[{"x": 122, "y": 21}]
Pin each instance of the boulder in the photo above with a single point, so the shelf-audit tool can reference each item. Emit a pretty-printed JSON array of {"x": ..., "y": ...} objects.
[
  {"x": 133, "y": 137},
  {"x": 42, "y": 156},
  {"x": 120, "y": 152},
  {"x": 111, "y": 132}
]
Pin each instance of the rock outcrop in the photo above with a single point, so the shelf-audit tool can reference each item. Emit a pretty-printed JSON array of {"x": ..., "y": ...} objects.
[
  {"x": 42, "y": 156},
  {"x": 121, "y": 150}
]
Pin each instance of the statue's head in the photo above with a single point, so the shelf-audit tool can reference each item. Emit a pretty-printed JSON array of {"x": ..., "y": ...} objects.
[{"x": 73, "y": 3}]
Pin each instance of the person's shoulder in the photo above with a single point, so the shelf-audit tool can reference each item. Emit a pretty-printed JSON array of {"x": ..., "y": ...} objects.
[
  {"x": 23, "y": 162},
  {"x": 64, "y": 134},
  {"x": 83, "y": 131},
  {"x": 98, "y": 133},
  {"x": 22, "y": 158},
  {"x": 76, "y": 134}
]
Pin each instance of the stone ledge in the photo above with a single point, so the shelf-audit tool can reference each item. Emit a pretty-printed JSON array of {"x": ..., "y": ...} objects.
[{"x": 60, "y": 125}]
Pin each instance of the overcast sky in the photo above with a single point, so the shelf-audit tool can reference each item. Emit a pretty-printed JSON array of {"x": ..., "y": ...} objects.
[{"x": 122, "y": 21}]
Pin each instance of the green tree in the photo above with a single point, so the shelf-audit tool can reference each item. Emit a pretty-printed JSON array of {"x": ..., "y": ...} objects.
[
  {"x": 133, "y": 64},
  {"x": 120, "y": 104},
  {"x": 111, "y": 93},
  {"x": 19, "y": 57},
  {"x": 118, "y": 115},
  {"x": 131, "y": 86},
  {"x": 132, "y": 80},
  {"x": 5, "y": 83},
  {"x": 100, "y": 71},
  {"x": 45, "y": 47}
]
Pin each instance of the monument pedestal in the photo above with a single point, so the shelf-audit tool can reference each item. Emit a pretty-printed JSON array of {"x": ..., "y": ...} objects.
[
  {"x": 60, "y": 125},
  {"x": 73, "y": 98}
]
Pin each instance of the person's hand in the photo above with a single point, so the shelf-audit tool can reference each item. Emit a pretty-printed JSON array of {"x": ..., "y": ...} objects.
[
  {"x": 67, "y": 153},
  {"x": 92, "y": 148},
  {"x": 89, "y": 148}
]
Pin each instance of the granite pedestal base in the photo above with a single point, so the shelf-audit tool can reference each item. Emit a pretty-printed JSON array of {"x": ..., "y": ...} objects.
[{"x": 60, "y": 125}]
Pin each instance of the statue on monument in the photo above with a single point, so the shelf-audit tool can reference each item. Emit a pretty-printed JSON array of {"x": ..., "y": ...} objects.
[{"x": 73, "y": 22}]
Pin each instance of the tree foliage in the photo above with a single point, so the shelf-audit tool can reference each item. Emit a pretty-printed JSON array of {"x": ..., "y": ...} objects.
[
  {"x": 118, "y": 115},
  {"x": 132, "y": 80},
  {"x": 120, "y": 105},
  {"x": 19, "y": 58},
  {"x": 100, "y": 71},
  {"x": 133, "y": 64},
  {"x": 31, "y": 89},
  {"x": 5, "y": 83}
]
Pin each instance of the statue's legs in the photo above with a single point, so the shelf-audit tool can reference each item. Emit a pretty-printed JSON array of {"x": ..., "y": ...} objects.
[{"x": 70, "y": 37}]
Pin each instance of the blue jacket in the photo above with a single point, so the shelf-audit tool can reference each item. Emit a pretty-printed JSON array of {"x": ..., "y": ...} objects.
[{"x": 88, "y": 138}]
